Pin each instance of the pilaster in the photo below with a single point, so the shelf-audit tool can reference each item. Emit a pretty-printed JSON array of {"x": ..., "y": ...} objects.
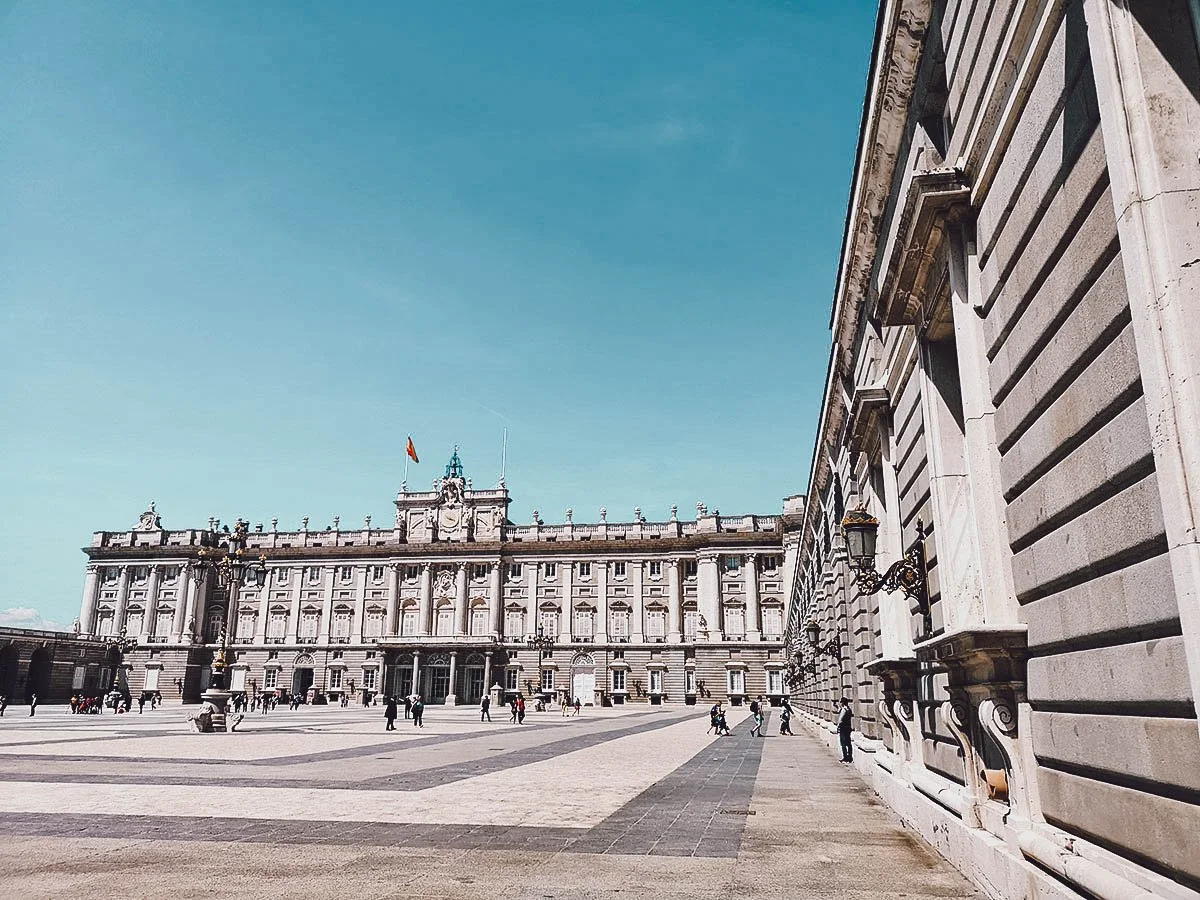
[{"x": 674, "y": 603}]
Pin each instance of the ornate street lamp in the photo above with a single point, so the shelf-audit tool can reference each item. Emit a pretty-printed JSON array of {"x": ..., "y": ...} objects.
[
  {"x": 831, "y": 648},
  {"x": 230, "y": 564},
  {"x": 540, "y": 642},
  {"x": 906, "y": 574},
  {"x": 120, "y": 643}
]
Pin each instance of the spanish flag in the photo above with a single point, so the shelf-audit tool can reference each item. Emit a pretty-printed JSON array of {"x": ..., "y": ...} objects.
[{"x": 412, "y": 451}]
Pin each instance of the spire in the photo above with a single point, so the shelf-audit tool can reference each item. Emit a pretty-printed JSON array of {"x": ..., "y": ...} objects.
[{"x": 454, "y": 468}]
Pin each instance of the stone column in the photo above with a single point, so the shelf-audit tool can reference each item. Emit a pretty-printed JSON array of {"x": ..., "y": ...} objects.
[
  {"x": 360, "y": 606},
  {"x": 264, "y": 608},
  {"x": 753, "y": 625},
  {"x": 122, "y": 601},
  {"x": 566, "y": 625},
  {"x": 328, "y": 579},
  {"x": 426, "y": 613},
  {"x": 91, "y": 596},
  {"x": 1143, "y": 62},
  {"x": 674, "y": 604},
  {"x": 452, "y": 697},
  {"x": 531, "y": 598},
  {"x": 293, "y": 625},
  {"x": 150, "y": 613},
  {"x": 600, "y": 567},
  {"x": 487, "y": 673},
  {"x": 709, "y": 595},
  {"x": 496, "y": 601},
  {"x": 460, "y": 601},
  {"x": 181, "y": 601},
  {"x": 416, "y": 679},
  {"x": 392, "y": 626},
  {"x": 637, "y": 581}
]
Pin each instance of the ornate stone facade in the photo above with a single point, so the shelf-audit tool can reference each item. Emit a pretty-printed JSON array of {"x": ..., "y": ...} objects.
[
  {"x": 1014, "y": 368},
  {"x": 444, "y": 603}
]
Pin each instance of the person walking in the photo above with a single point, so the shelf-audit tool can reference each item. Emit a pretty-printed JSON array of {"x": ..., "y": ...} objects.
[
  {"x": 845, "y": 728},
  {"x": 520, "y": 710},
  {"x": 512, "y": 705},
  {"x": 578, "y": 706},
  {"x": 3, "y": 704},
  {"x": 408, "y": 703},
  {"x": 785, "y": 719},
  {"x": 32, "y": 704},
  {"x": 389, "y": 713},
  {"x": 485, "y": 707},
  {"x": 757, "y": 715},
  {"x": 418, "y": 710}
]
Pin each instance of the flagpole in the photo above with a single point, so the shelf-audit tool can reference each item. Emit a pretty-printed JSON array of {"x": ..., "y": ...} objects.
[
  {"x": 503, "y": 455},
  {"x": 404, "y": 484}
]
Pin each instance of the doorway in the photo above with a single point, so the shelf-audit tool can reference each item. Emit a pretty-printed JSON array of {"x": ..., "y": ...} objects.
[
  {"x": 583, "y": 679},
  {"x": 302, "y": 680}
]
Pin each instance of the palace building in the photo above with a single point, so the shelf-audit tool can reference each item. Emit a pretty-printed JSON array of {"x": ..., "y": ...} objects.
[{"x": 445, "y": 603}]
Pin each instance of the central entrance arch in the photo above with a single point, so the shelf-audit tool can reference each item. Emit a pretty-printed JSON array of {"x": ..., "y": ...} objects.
[
  {"x": 583, "y": 679},
  {"x": 302, "y": 674}
]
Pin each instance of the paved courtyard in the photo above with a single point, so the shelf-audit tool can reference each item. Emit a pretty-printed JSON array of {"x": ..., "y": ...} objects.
[{"x": 624, "y": 802}]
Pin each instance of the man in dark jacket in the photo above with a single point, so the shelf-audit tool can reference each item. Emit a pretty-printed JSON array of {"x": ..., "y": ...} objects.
[
  {"x": 389, "y": 713},
  {"x": 418, "y": 710},
  {"x": 845, "y": 728}
]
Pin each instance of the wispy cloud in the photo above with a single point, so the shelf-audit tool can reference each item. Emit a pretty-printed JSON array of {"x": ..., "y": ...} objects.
[
  {"x": 27, "y": 617},
  {"x": 668, "y": 131}
]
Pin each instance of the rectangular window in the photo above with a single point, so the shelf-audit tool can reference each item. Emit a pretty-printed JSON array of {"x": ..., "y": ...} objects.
[
  {"x": 277, "y": 626},
  {"x": 314, "y": 575},
  {"x": 584, "y": 623},
  {"x": 481, "y": 571},
  {"x": 479, "y": 621},
  {"x": 373, "y": 625},
  {"x": 347, "y": 573},
  {"x": 151, "y": 683},
  {"x": 514, "y": 570},
  {"x": 270, "y": 679},
  {"x": 689, "y": 681},
  {"x": 341, "y": 627},
  {"x": 656, "y": 681},
  {"x": 547, "y": 679},
  {"x": 245, "y": 626},
  {"x": 77, "y": 677},
  {"x": 445, "y": 621},
  {"x": 733, "y": 563},
  {"x": 163, "y": 626},
  {"x": 309, "y": 622},
  {"x": 620, "y": 624},
  {"x": 510, "y": 678},
  {"x": 618, "y": 570},
  {"x": 377, "y": 573},
  {"x": 656, "y": 624},
  {"x": 548, "y": 620},
  {"x": 774, "y": 681},
  {"x": 585, "y": 570},
  {"x": 550, "y": 570},
  {"x": 770, "y": 563},
  {"x": 618, "y": 679},
  {"x": 735, "y": 622},
  {"x": 736, "y": 681},
  {"x": 335, "y": 679},
  {"x": 689, "y": 568},
  {"x": 369, "y": 678},
  {"x": 656, "y": 569},
  {"x": 772, "y": 617},
  {"x": 514, "y": 624},
  {"x": 410, "y": 573},
  {"x": 281, "y": 575},
  {"x": 408, "y": 622}
]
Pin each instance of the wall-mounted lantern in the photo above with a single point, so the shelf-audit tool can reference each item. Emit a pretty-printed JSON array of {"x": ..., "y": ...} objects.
[{"x": 907, "y": 574}]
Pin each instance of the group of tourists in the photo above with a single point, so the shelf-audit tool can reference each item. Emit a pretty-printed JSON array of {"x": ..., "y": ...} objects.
[
  {"x": 414, "y": 708},
  {"x": 718, "y": 724}
]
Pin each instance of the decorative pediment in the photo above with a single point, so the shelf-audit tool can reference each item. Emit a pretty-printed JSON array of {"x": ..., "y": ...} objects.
[
  {"x": 933, "y": 199},
  {"x": 868, "y": 409}
]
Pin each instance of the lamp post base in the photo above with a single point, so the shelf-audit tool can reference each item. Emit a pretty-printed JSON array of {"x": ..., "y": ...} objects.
[{"x": 212, "y": 716}]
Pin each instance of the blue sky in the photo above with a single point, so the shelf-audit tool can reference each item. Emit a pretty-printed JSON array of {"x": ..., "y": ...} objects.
[{"x": 245, "y": 249}]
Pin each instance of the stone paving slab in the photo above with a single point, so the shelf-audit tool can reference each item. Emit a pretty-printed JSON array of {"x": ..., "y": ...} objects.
[{"x": 656, "y": 808}]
